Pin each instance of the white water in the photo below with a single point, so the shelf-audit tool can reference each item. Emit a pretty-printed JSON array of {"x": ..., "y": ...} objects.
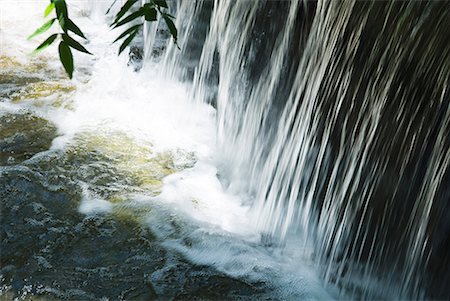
[
  {"x": 111, "y": 97},
  {"x": 334, "y": 159}
]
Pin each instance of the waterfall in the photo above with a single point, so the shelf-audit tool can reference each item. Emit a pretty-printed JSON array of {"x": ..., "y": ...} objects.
[
  {"x": 287, "y": 149},
  {"x": 334, "y": 118}
]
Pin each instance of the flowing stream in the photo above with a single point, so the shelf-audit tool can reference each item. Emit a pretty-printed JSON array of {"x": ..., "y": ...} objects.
[{"x": 288, "y": 150}]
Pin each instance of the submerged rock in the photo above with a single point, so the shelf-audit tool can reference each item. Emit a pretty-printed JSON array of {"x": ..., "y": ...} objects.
[
  {"x": 22, "y": 136},
  {"x": 51, "y": 251},
  {"x": 52, "y": 93},
  {"x": 13, "y": 71},
  {"x": 117, "y": 162},
  {"x": 33, "y": 79}
]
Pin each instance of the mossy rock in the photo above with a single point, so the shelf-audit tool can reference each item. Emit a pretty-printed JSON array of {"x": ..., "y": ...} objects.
[
  {"x": 22, "y": 136},
  {"x": 126, "y": 212},
  {"x": 19, "y": 80},
  {"x": 8, "y": 70},
  {"x": 14, "y": 72},
  {"x": 136, "y": 160},
  {"x": 53, "y": 93}
]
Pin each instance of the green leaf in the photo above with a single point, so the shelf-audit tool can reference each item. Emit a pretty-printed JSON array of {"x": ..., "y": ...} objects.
[
  {"x": 128, "y": 31},
  {"x": 161, "y": 3},
  {"x": 61, "y": 13},
  {"x": 62, "y": 22},
  {"x": 74, "y": 28},
  {"x": 42, "y": 29},
  {"x": 150, "y": 14},
  {"x": 131, "y": 17},
  {"x": 49, "y": 9},
  {"x": 65, "y": 54},
  {"x": 110, "y": 7},
  {"x": 172, "y": 28},
  {"x": 128, "y": 41},
  {"x": 169, "y": 15},
  {"x": 124, "y": 9},
  {"x": 46, "y": 43},
  {"x": 74, "y": 44},
  {"x": 61, "y": 8}
]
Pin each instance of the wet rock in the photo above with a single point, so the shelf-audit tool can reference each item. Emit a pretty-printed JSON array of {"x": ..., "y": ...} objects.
[
  {"x": 22, "y": 136},
  {"x": 43, "y": 89},
  {"x": 56, "y": 94},
  {"x": 113, "y": 164},
  {"x": 10, "y": 72},
  {"x": 13, "y": 71},
  {"x": 136, "y": 57},
  {"x": 51, "y": 251},
  {"x": 34, "y": 81},
  {"x": 217, "y": 286},
  {"x": 8, "y": 89}
]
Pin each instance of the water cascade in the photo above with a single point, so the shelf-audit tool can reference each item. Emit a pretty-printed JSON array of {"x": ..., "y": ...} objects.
[
  {"x": 287, "y": 150},
  {"x": 337, "y": 129}
]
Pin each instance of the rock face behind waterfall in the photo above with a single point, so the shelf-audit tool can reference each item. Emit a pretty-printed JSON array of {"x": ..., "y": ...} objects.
[{"x": 339, "y": 113}]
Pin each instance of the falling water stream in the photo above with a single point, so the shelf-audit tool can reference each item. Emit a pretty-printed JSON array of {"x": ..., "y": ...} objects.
[{"x": 288, "y": 150}]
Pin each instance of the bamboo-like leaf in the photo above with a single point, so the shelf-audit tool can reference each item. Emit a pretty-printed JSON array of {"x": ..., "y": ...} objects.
[
  {"x": 151, "y": 14},
  {"x": 62, "y": 22},
  {"x": 49, "y": 9},
  {"x": 42, "y": 29},
  {"x": 74, "y": 44},
  {"x": 161, "y": 3},
  {"x": 74, "y": 28},
  {"x": 128, "y": 31},
  {"x": 110, "y": 7},
  {"x": 172, "y": 28},
  {"x": 46, "y": 43},
  {"x": 169, "y": 15},
  {"x": 61, "y": 13},
  {"x": 131, "y": 17},
  {"x": 65, "y": 54},
  {"x": 127, "y": 41},
  {"x": 124, "y": 9},
  {"x": 61, "y": 8}
]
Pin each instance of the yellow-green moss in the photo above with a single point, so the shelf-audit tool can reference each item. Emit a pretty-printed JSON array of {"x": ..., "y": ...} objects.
[
  {"x": 117, "y": 199},
  {"x": 22, "y": 136},
  {"x": 131, "y": 159},
  {"x": 55, "y": 94},
  {"x": 130, "y": 214},
  {"x": 43, "y": 89},
  {"x": 30, "y": 82},
  {"x": 7, "y": 62},
  {"x": 137, "y": 161},
  {"x": 14, "y": 71},
  {"x": 11, "y": 72}
]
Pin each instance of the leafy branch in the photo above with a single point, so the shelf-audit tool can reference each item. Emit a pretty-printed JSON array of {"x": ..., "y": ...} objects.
[
  {"x": 149, "y": 11},
  {"x": 66, "y": 41}
]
